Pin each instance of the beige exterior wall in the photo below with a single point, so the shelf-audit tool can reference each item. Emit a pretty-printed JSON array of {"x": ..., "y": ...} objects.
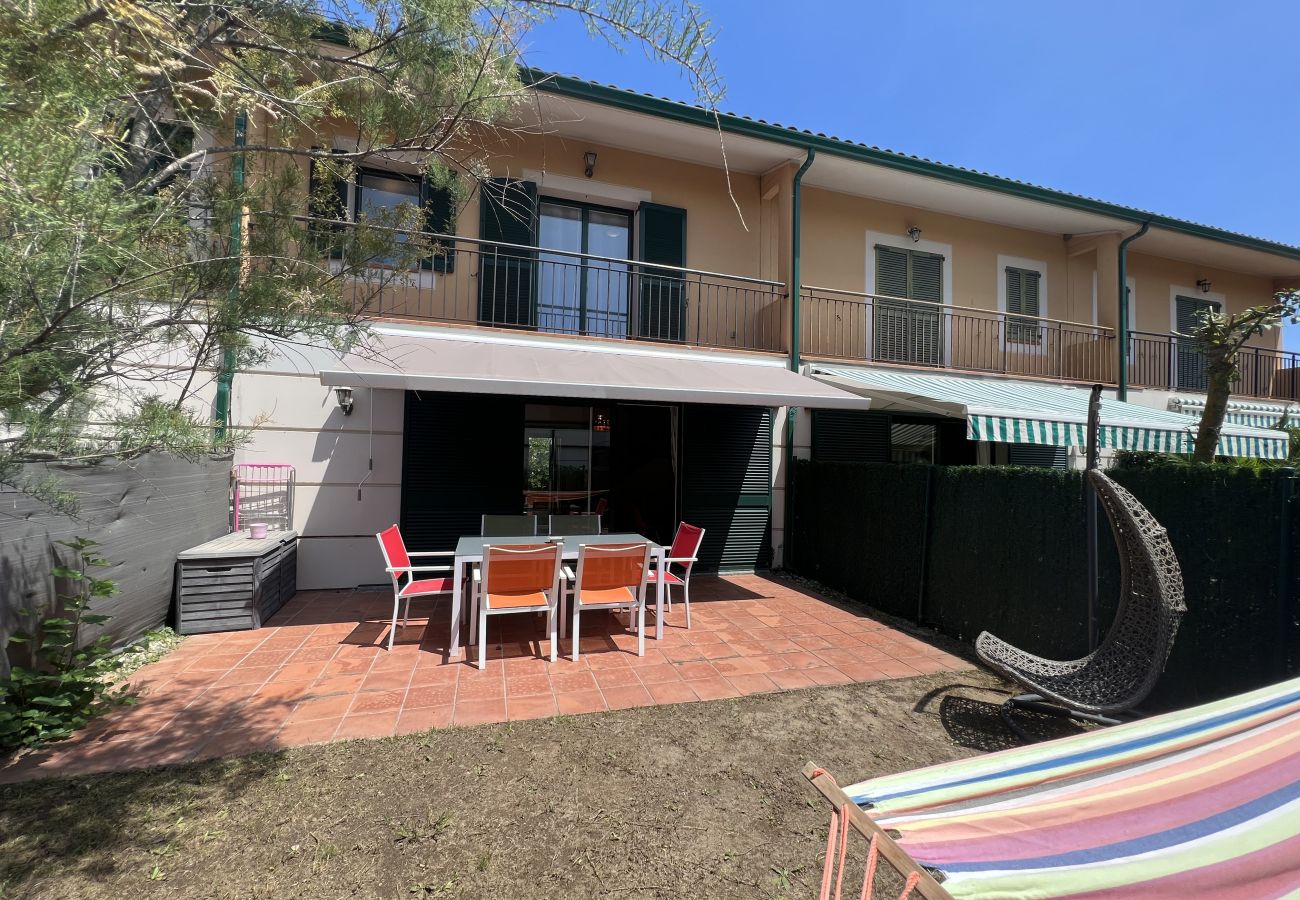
[{"x": 1154, "y": 277}]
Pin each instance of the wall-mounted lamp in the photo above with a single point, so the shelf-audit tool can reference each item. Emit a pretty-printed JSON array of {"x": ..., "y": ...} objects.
[
  {"x": 914, "y": 233},
  {"x": 589, "y": 159},
  {"x": 1203, "y": 284},
  {"x": 344, "y": 396}
]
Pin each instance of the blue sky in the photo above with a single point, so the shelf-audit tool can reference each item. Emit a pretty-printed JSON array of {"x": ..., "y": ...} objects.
[{"x": 1184, "y": 107}]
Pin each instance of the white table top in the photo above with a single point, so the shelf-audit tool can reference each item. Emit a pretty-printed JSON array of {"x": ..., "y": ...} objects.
[{"x": 471, "y": 546}]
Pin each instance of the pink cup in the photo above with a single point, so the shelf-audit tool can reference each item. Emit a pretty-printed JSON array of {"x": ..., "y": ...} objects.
[{"x": 257, "y": 531}]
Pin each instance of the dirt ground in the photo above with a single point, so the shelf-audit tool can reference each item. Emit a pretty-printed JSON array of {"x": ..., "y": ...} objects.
[{"x": 692, "y": 800}]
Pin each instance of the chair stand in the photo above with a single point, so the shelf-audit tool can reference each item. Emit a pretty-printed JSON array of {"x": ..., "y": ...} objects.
[{"x": 1035, "y": 703}]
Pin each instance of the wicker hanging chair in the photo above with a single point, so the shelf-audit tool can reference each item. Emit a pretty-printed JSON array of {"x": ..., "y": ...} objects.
[{"x": 1121, "y": 672}]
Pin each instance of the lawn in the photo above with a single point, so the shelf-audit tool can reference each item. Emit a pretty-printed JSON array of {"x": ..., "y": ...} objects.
[{"x": 690, "y": 800}]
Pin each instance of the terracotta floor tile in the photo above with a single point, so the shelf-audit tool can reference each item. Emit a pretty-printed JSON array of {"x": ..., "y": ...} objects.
[
  {"x": 652, "y": 657},
  {"x": 424, "y": 718},
  {"x": 435, "y": 675},
  {"x": 714, "y": 688},
  {"x": 672, "y": 692},
  {"x": 696, "y": 669},
  {"x": 368, "y": 725},
  {"x": 527, "y": 685},
  {"x": 801, "y": 659},
  {"x": 322, "y": 708},
  {"x": 479, "y": 712},
  {"x": 573, "y": 681},
  {"x": 683, "y": 654},
  {"x": 297, "y": 734},
  {"x": 430, "y": 695},
  {"x": 386, "y": 681},
  {"x": 659, "y": 674},
  {"x": 827, "y": 675},
  {"x": 493, "y": 688},
  {"x": 607, "y": 660},
  {"x": 306, "y": 671},
  {"x": 789, "y": 679},
  {"x": 519, "y": 708},
  {"x": 751, "y": 684},
  {"x": 266, "y": 658},
  {"x": 336, "y": 684},
  {"x": 892, "y": 668},
  {"x": 616, "y": 678},
  {"x": 720, "y": 650},
  {"x": 217, "y": 662},
  {"x": 376, "y": 702},
  {"x": 627, "y": 697},
  {"x": 740, "y": 665},
  {"x": 572, "y": 703}
]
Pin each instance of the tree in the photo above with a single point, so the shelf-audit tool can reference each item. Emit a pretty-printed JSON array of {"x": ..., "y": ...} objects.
[
  {"x": 152, "y": 183},
  {"x": 1220, "y": 338}
]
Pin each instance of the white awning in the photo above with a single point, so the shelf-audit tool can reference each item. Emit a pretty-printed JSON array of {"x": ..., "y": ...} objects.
[
  {"x": 1255, "y": 414},
  {"x": 1018, "y": 412},
  {"x": 409, "y": 360}
]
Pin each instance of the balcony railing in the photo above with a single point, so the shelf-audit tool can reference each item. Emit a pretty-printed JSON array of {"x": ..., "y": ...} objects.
[
  {"x": 855, "y": 326},
  {"x": 494, "y": 284},
  {"x": 1178, "y": 364}
]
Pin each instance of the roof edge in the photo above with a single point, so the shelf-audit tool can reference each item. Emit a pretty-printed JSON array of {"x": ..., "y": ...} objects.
[{"x": 578, "y": 89}]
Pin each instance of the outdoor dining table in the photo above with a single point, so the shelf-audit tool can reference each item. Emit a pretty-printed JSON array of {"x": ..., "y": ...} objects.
[{"x": 469, "y": 551}]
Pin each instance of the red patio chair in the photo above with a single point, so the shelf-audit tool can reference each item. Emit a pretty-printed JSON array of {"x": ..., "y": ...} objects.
[
  {"x": 683, "y": 553},
  {"x": 397, "y": 562},
  {"x": 611, "y": 576},
  {"x": 518, "y": 578}
]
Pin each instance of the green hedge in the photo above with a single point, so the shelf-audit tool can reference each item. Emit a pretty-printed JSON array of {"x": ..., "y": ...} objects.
[{"x": 1003, "y": 549}]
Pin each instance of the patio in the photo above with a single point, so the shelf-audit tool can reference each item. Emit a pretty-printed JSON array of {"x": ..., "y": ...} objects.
[{"x": 319, "y": 673}]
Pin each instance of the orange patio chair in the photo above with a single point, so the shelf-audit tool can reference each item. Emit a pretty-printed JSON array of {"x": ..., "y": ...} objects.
[
  {"x": 518, "y": 578},
  {"x": 611, "y": 576}
]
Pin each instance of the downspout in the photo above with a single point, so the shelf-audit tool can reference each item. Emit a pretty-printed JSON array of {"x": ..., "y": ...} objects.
[
  {"x": 226, "y": 377},
  {"x": 796, "y": 290},
  {"x": 1121, "y": 391}
]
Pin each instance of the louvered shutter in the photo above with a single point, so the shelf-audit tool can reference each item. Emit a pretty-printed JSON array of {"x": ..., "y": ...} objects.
[
  {"x": 439, "y": 218},
  {"x": 1190, "y": 355},
  {"x": 507, "y": 277},
  {"x": 891, "y": 326},
  {"x": 1042, "y": 456},
  {"x": 926, "y": 284},
  {"x": 326, "y": 203},
  {"x": 845, "y": 436},
  {"x": 461, "y": 457},
  {"x": 1022, "y": 298},
  {"x": 727, "y": 484},
  {"x": 661, "y": 307}
]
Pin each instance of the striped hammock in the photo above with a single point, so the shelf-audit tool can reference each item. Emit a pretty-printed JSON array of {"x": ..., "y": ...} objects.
[{"x": 1204, "y": 802}]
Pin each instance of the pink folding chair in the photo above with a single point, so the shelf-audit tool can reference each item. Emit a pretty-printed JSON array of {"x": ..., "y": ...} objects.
[
  {"x": 684, "y": 554},
  {"x": 397, "y": 562}
]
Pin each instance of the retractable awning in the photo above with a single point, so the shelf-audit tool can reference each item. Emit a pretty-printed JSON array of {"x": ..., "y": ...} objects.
[
  {"x": 1241, "y": 412},
  {"x": 1019, "y": 412},
  {"x": 416, "y": 361}
]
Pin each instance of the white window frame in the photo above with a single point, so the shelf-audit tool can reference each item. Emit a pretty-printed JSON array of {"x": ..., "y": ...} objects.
[
  {"x": 1033, "y": 265},
  {"x": 904, "y": 242}
]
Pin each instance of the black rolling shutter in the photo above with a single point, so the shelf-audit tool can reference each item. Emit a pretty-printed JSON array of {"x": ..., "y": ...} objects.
[
  {"x": 843, "y": 436},
  {"x": 462, "y": 456},
  {"x": 661, "y": 308},
  {"x": 727, "y": 484},
  {"x": 439, "y": 218},
  {"x": 326, "y": 203},
  {"x": 507, "y": 278},
  {"x": 1041, "y": 456}
]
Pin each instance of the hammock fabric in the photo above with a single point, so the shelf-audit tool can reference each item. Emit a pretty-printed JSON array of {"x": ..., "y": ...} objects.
[{"x": 1204, "y": 802}]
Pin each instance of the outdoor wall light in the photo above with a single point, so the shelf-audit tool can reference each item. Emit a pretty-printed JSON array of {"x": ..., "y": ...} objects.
[
  {"x": 589, "y": 159},
  {"x": 914, "y": 233},
  {"x": 344, "y": 397},
  {"x": 1203, "y": 284}
]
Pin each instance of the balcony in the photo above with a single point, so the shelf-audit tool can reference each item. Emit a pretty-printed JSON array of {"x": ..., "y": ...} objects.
[
  {"x": 1177, "y": 364},
  {"x": 510, "y": 286},
  {"x": 870, "y": 328}
]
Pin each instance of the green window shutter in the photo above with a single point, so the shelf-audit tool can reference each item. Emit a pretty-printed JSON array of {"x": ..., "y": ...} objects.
[
  {"x": 846, "y": 436},
  {"x": 1022, "y": 298},
  {"x": 439, "y": 218},
  {"x": 1190, "y": 355},
  {"x": 661, "y": 307},
  {"x": 507, "y": 277},
  {"x": 1042, "y": 456},
  {"x": 891, "y": 271},
  {"x": 927, "y": 277},
  {"x": 326, "y": 202},
  {"x": 727, "y": 484}
]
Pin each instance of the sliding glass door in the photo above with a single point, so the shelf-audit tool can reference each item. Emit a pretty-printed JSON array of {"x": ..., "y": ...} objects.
[{"x": 577, "y": 294}]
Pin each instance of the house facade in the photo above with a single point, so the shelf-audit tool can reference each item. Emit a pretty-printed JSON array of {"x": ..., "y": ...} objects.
[{"x": 618, "y": 322}]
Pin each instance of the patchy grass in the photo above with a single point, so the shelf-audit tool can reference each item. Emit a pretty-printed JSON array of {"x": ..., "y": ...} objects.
[{"x": 694, "y": 800}]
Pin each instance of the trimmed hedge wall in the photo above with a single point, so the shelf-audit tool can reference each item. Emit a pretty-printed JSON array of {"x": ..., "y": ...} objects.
[{"x": 974, "y": 548}]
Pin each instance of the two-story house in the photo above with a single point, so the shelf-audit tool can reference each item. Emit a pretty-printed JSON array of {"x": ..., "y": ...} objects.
[{"x": 620, "y": 324}]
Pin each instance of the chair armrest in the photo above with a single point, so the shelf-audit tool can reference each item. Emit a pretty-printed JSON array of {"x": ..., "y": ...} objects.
[
  {"x": 681, "y": 559},
  {"x": 418, "y": 569},
  {"x": 432, "y": 553}
]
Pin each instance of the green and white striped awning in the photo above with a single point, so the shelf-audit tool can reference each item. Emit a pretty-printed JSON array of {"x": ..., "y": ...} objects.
[
  {"x": 1241, "y": 412},
  {"x": 1020, "y": 412}
]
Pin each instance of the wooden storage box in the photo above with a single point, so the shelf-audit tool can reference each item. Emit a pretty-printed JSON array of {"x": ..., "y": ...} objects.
[{"x": 234, "y": 583}]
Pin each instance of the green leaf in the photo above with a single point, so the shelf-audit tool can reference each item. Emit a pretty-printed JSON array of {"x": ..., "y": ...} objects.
[{"x": 52, "y": 701}]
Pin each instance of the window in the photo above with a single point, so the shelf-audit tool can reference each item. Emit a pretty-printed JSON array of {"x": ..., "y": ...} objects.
[
  {"x": 908, "y": 332},
  {"x": 1189, "y": 362},
  {"x": 379, "y": 196},
  {"x": 1023, "y": 292},
  {"x": 577, "y": 294},
  {"x": 913, "y": 442}
]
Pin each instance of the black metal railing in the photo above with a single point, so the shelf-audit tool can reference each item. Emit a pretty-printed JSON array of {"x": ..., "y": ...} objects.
[
  {"x": 1175, "y": 363},
  {"x": 489, "y": 283},
  {"x": 856, "y": 326}
]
